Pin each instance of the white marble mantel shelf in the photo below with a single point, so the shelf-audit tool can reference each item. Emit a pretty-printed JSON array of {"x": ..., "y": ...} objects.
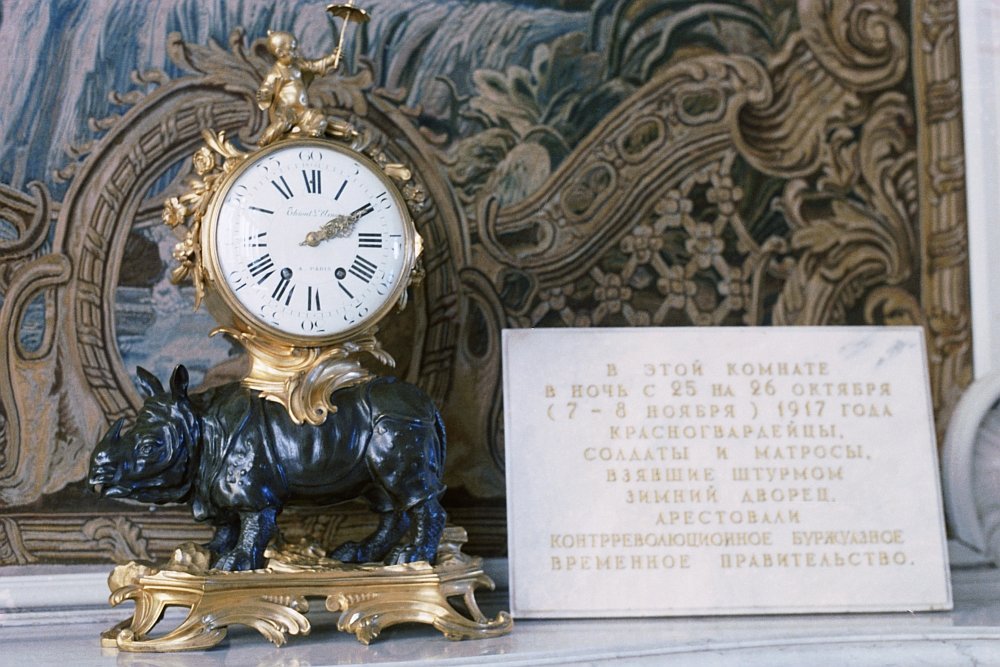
[{"x": 969, "y": 635}]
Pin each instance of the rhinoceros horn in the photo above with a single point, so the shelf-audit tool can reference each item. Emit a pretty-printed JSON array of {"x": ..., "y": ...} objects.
[
  {"x": 179, "y": 383},
  {"x": 114, "y": 433}
]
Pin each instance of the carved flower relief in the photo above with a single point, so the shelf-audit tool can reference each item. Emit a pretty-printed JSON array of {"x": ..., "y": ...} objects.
[
  {"x": 673, "y": 210},
  {"x": 610, "y": 292},
  {"x": 189, "y": 208},
  {"x": 642, "y": 244},
  {"x": 193, "y": 203},
  {"x": 704, "y": 245},
  {"x": 556, "y": 299},
  {"x": 204, "y": 161},
  {"x": 738, "y": 291},
  {"x": 673, "y": 285},
  {"x": 174, "y": 212},
  {"x": 613, "y": 296},
  {"x": 724, "y": 194},
  {"x": 675, "y": 262},
  {"x": 187, "y": 254},
  {"x": 200, "y": 195}
]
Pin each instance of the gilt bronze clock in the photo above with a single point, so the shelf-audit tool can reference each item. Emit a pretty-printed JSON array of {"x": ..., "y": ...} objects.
[
  {"x": 301, "y": 246},
  {"x": 306, "y": 246}
]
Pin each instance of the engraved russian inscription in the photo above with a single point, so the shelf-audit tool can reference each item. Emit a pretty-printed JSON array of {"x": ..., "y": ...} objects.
[{"x": 747, "y": 459}]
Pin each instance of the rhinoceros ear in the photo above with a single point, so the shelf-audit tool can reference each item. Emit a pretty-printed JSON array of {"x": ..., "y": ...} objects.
[
  {"x": 148, "y": 382},
  {"x": 179, "y": 383}
]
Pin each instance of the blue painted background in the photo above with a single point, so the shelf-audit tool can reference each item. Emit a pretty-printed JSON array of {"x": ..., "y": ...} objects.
[{"x": 71, "y": 58}]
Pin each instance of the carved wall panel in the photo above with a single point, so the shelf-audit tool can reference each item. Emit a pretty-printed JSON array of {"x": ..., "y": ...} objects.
[{"x": 587, "y": 163}]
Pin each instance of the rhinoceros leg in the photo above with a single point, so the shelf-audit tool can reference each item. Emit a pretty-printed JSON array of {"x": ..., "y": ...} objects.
[
  {"x": 406, "y": 458},
  {"x": 224, "y": 539},
  {"x": 428, "y": 525},
  {"x": 391, "y": 527},
  {"x": 256, "y": 530}
]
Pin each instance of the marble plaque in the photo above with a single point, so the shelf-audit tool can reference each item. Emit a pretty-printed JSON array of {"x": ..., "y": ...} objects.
[{"x": 685, "y": 471}]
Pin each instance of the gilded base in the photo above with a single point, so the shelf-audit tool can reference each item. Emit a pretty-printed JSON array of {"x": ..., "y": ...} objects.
[{"x": 274, "y": 600}]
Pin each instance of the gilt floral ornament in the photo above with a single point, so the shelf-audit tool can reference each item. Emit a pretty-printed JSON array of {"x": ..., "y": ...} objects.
[
  {"x": 189, "y": 208},
  {"x": 174, "y": 212},
  {"x": 204, "y": 161}
]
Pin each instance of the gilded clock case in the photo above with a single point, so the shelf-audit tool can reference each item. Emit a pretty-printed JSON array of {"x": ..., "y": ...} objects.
[{"x": 220, "y": 298}]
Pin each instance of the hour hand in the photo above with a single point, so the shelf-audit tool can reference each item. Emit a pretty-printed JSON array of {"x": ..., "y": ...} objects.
[
  {"x": 339, "y": 226},
  {"x": 336, "y": 227}
]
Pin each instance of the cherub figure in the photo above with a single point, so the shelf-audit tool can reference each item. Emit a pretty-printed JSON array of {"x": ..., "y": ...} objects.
[{"x": 284, "y": 90}]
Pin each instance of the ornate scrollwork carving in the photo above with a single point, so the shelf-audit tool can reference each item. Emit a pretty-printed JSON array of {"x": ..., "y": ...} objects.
[
  {"x": 118, "y": 536},
  {"x": 629, "y": 168},
  {"x": 273, "y": 601},
  {"x": 303, "y": 378}
]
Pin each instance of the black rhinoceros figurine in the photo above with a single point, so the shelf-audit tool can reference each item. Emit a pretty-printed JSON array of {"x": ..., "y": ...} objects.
[{"x": 238, "y": 459}]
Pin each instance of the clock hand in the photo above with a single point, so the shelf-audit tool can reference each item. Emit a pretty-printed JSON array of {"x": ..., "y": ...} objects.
[{"x": 339, "y": 226}]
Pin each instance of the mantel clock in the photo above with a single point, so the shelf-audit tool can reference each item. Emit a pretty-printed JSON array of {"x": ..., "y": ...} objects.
[{"x": 299, "y": 247}]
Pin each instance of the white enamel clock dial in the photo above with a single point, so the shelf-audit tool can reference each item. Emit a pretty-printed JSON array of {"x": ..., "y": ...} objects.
[{"x": 311, "y": 241}]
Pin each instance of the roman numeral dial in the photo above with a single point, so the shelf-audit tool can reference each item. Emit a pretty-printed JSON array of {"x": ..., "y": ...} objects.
[
  {"x": 284, "y": 287},
  {"x": 262, "y": 266},
  {"x": 314, "y": 181},
  {"x": 369, "y": 239},
  {"x": 363, "y": 269},
  {"x": 312, "y": 240},
  {"x": 283, "y": 188}
]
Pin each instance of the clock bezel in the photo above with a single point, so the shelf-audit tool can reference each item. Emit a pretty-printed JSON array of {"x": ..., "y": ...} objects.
[{"x": 247, "y": 319}]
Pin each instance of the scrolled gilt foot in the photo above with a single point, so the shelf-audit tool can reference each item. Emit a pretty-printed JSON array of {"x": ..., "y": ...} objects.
[{"x": 273, "y": 601}]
